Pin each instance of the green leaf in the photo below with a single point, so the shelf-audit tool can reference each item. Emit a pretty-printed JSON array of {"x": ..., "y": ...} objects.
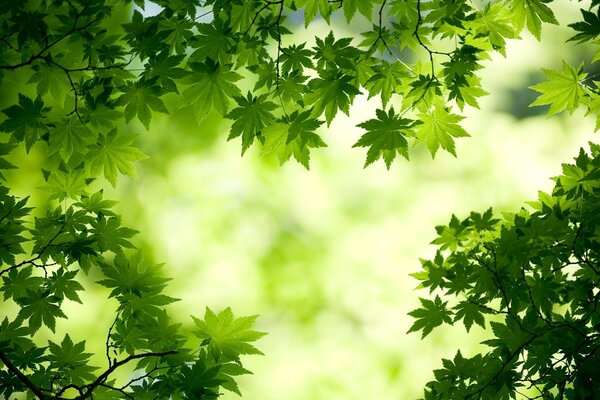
[
  {"x": 386, "y": 137},
  {"x": 227, "y": 337},
  {"x": 16, "y": 283},
  {"x": 495, "y": 22},
  {"x": 40, "y": 308},
  {"x": 66, "y": 185},
  {"x": 166, "y": 69},
  {"x": 469, "y": 312},
  {"x": 110, "y": 235},
  {"x": 295, "y": 58},
  {"x": 114, "y": 154},
  {"x": 214, "y": 42},
  {"x": 293, "y": 135},
  {"x": 532, "y": 13},
  {"x": 180, "y": 33},
  {"x": 201, "y": 380},
  {"x": 365, "y": 7},
  {"x": 386, "y": 80},
  {"x": 250, "y": 117},
  {"x": 563, "y": 90},
  {"x": 71, "y": 361},
  {"x": 452, "y": 236},
  {"x": 97, "y": 204},
  {"x": 5, "y": 149},
  {"x": 335, "y": 55},
  {"x": 212, "y": 87},
  {"x": 62, "y": 284},
  {"x": 26, "y": 120},
  {"x": 14, "y": 333},
  {"x": 50, "y": 78},
  {"x": 330, "y": 93},
  {"x": 439, "y": 128},
  {"x": 588, "y": 29},
  {"x": 432, "y": 314},
  {"x": 312, "y": 7},
  {"x": 141, "y": 98},
  {"x": 70, "y": 136},
  {"x": 132, "y": 275}
]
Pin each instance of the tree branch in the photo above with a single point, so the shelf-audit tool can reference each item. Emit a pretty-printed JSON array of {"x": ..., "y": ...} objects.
[
  {"x": 102, "y": 378},
  {"x": 24, "y": 379}
]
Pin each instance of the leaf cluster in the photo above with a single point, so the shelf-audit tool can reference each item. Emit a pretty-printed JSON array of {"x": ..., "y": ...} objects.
[
  {"x": 532, "y": 277},
  {"x": 88, "y": 238},
  {"x": 238, "y": 59}
]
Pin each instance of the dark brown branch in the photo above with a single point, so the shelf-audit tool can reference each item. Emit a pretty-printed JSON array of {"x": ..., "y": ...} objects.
[
  {"x": 102, "y": 378},
  {"x": 49, "y": 45},
  {"x": 32, "y": 261},
  {"x": 24, "y": 379}
]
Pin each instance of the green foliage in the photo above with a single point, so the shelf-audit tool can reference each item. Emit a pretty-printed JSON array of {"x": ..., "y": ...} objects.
[
  {"x": 532, "y": 278},
  {"x": 88, "y": 71},
  {"x": 133, "y": 71},
  {"x": 81, "y": 238}
]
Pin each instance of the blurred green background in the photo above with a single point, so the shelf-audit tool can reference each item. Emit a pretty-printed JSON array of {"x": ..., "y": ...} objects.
[{"x": 324, "y": 256}]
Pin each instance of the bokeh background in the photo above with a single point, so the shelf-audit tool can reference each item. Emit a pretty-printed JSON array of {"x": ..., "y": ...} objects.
[{"x": 324, "y": 256}]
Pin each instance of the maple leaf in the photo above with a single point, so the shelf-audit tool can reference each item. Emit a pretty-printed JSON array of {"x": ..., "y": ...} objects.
[
  {"x": 97, "y": 205},
  {"x": 200, "y": 379},
  {"x": 251, "y": 115},
  {"x": 110, "y": 235},
  {"x": 213, "y": 42},
  {"x": 432, "y": 314},
  {"x": 563, "y": 90},
  {"x": 439, "y": 127},
  {"x": 38, "y": 307},
  {"x": 71, "y": 360},
  {"x": 66, "y": 184},
  {"x": 293, "y": 135},
  {"x": 385, "y": 80},
  {"x": 335, "y": 54},
  {"x": 26, "y": 120},
  {"x": 365, "y": 7},
  {"x": 5, "y": 149},
  {"x": 266, "y": 74},
  {"x": 141, "y": 98},
  {"x": 114, "y": 154},
  {"x": 496, "y": 24},
  {"x": 469, "y": 312},
  {"x": 166, "y": 69},
  {"x": 16, "y": 283},
  {"x": 227, "y": 337},
  {"x": 275, "y": 141},
  {"x": 14, "y": 333},
  {"x": 312, "y": 7},
  {"x": 212, "y": 87},
  {"x": 63, "y": 284},
  {"x": 242, "y": 15},
  {"x": 434, "y": 274},
  {"x": 132, "y": 275},
  {"x": 292, "y": 87},
  {"x": 329, "y": 93},
  {"x": 532, "y": 13},
  {"x": 588, "y": 29},
  {"x": 593, "y": 104},
  {"x": 250, "y": 51},
  {"x": 452, "y": 236},
  {"x": 69, "y": 135},
  {"x": 180, "y": 33},
  {"x": 386, "y": 136},
  {"x": 50, "y": 78},
  {"x": 295, "y": 58}
]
